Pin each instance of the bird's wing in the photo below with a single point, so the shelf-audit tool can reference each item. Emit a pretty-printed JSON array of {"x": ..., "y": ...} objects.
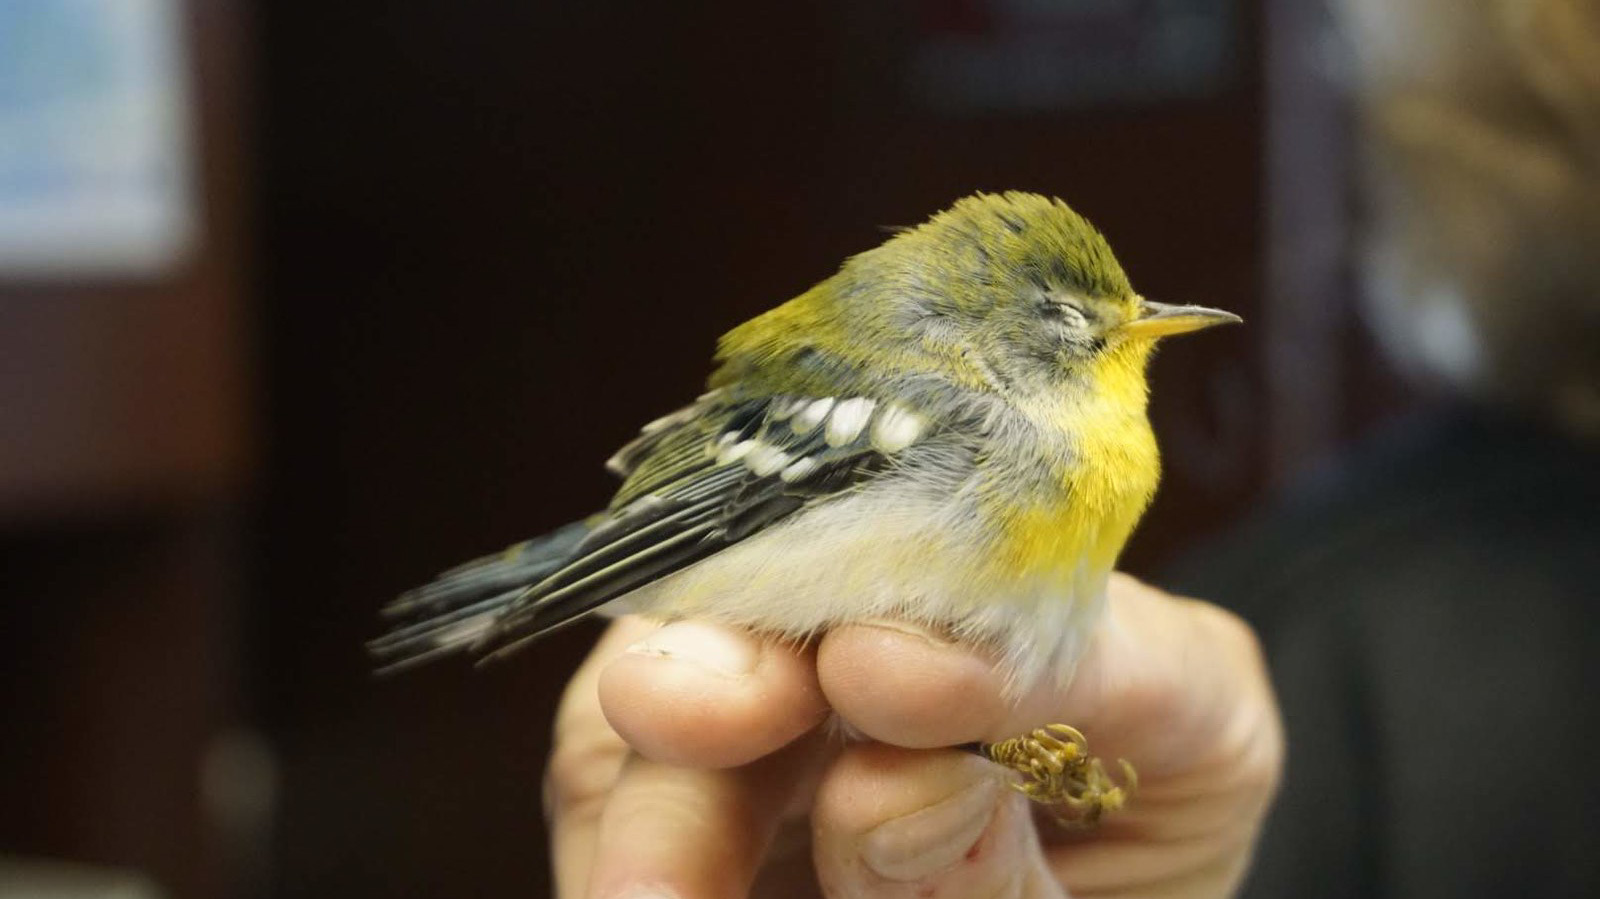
[
  {"x": 460, "y": 605},
  {"x": 695, "y": 482},
  {"x": 704, "y": 482}
]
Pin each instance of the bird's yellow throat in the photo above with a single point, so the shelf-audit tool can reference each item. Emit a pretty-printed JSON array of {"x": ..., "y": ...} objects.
[{"x": 1107, "y": 480}]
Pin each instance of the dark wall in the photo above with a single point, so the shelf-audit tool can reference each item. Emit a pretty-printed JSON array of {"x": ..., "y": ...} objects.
[{"x": 495, "y": 238}]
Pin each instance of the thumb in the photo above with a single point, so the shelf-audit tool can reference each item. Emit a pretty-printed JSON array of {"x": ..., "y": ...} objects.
[{"x": 892, "y": 822}]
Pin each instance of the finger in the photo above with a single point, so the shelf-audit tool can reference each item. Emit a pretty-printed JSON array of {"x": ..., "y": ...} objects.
[
  {"x": 700, "y": 695},
  {"x": 895, "y": 683},
  {"x": 891, "y": 822},
  {"x": 691, "y": 833},
  {"x": 1153, "y": 681},
  {"x": 586, "y": 760}
]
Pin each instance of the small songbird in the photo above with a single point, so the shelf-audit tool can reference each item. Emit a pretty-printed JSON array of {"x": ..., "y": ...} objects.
[{"x": 951, "y": 431}]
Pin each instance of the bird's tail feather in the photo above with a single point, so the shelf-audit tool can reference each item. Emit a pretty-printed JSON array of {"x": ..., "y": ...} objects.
[{"x": 451, "y": 613}]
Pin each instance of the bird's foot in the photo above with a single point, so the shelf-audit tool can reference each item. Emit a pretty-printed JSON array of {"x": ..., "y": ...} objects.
[{"x": 1059, "y": 772}]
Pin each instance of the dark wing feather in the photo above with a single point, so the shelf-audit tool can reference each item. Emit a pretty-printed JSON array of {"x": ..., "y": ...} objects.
[
  {"x": 695, "y": 483},
  {"x": 461, "y": 603},
  {"x": 680, "y": 506}
]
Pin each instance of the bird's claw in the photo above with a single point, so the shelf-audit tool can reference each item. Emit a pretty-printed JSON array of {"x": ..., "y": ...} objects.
[{"x": 1058, "y": 771}]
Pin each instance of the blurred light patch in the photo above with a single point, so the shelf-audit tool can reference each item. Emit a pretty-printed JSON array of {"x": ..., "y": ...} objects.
[
  {"x": 977, "y": 56},
  {"x": 95, "y": 168},
  {"x": 239, "y": 787},
  {"x": 25, "y": 878}
]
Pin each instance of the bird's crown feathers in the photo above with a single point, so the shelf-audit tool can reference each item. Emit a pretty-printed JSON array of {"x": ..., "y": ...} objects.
[{"x": 976, "y": 292}]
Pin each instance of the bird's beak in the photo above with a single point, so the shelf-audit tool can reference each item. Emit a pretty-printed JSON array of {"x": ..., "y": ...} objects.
[{"x": 1164, "y": 320}]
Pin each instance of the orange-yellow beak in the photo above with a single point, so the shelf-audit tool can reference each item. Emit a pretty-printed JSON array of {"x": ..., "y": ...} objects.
[{"x": 1163, "y": 320}]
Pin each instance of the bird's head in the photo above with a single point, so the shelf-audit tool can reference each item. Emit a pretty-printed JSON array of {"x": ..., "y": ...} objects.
[
  {"x": 1024, "y": 281},
  {"x": 1010, "y": 290}
]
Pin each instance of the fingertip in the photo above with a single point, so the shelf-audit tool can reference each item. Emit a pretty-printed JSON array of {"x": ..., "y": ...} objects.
[
  {"x": 870, "y": 783},
  {"x": 701, "y": 695},
  {"x": 900, "y": 685},
  {"x": 895, "y": 822}
]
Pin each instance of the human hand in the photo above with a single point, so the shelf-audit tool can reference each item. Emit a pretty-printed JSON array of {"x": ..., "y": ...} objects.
[{"x": 689, "y": 763}]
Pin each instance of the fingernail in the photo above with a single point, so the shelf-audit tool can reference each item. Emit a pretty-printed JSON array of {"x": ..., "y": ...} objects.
[
  {"x": 713, "y": 648},
  {"x": 910, "y": 630},
  {"x": 932, "y": 839}
]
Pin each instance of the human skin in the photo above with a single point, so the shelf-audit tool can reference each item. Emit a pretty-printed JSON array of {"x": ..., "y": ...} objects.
[{"x": 698, "y": 762}]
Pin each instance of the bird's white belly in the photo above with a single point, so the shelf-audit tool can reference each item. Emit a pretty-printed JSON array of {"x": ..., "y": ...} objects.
[{"x": 879, "y": 553}]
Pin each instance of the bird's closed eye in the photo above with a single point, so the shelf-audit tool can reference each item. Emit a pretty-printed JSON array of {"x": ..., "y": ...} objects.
[{"x": 1067, "y": 312}]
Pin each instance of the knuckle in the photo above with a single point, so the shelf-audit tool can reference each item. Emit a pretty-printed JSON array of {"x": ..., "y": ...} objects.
[
  {"x": 581, "y": 773},
  {"x": 1260, "y": 765},
  {"x": 1231, "y": 631},
  {"x": 1258, "y": 752}
]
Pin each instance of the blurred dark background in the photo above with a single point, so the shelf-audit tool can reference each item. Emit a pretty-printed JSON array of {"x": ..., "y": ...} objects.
[{"x": 448, "y": 257}]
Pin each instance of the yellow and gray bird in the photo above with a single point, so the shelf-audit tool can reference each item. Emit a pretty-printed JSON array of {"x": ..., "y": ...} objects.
[{"x": 951, "y": 430}]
